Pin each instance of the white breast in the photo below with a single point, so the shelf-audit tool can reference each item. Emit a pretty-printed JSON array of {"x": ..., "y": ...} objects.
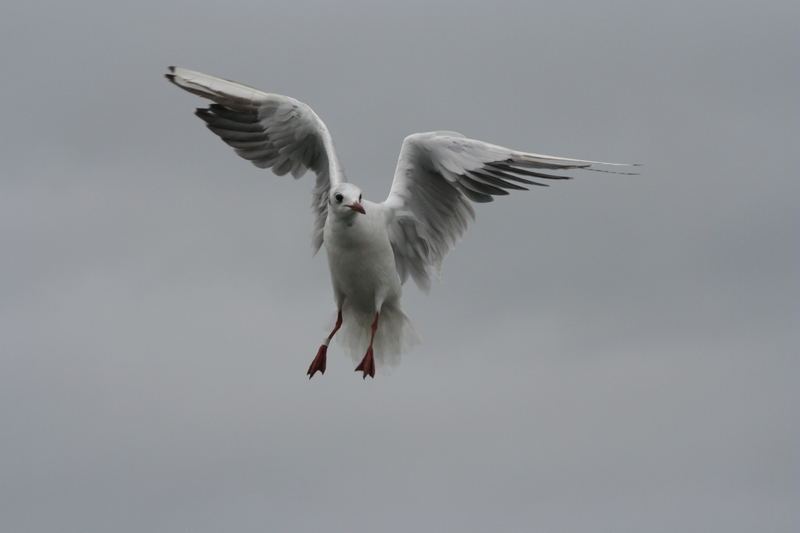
[{"x": 361, "y": 261}]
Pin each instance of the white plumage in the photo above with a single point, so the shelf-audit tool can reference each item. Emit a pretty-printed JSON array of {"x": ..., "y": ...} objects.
[{"x": 372, "y": 247}]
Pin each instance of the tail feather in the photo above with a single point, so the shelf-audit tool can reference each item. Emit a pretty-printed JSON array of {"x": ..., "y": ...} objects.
[{"x": 395, "y": 335}]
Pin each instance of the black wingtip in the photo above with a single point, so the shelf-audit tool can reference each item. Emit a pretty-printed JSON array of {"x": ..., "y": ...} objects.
[{"x": 171, "y": 75}]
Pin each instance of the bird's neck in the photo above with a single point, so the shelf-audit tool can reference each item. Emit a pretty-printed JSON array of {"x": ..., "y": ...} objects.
[
  {"x": 350, "y": 231},
  {"x": 345, "y": 220}
]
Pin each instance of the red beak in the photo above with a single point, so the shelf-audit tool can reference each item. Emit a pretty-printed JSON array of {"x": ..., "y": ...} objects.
[{"x": 357, "y": 207}]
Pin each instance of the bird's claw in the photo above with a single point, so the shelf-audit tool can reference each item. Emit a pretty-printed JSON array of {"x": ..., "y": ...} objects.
[
  {"x": 367, "y": 365},
  {"x": 318, "y": 364}
]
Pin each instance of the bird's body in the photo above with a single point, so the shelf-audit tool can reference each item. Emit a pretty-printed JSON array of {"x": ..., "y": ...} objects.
[
  {"x": 372, "y": 248},
  {"x": 361, "y": 261},
  {"x": 365, "y": 282}
]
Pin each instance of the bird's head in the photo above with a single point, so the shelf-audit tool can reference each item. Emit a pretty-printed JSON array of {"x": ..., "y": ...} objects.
[{"x": 345, "y": 200}]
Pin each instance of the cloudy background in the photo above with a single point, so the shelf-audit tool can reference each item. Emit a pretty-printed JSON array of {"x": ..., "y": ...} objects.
[{"x": 611, "y": 354}]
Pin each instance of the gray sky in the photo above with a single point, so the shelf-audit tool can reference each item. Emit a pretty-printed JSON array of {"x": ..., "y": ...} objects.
[{"x": 611, "y": 354}]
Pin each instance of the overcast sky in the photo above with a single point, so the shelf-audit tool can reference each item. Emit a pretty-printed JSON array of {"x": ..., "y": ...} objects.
[{"x": 611, "y": 354}]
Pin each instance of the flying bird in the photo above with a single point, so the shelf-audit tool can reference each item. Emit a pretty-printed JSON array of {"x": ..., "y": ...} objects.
[{"x": 373, "y": 248}]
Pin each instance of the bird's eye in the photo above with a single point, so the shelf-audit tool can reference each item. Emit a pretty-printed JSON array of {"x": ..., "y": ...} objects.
[
  {"x": 339, "y": 197},
  {"x": 359, "y": 198}
]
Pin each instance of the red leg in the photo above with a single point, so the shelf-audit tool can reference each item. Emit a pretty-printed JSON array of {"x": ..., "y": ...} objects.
[
  {"x": 318, "y": 364},
  {"x": 367, "y": 365}
]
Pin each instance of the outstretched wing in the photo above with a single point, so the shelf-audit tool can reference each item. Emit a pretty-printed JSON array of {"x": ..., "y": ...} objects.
[
  {"x": 438, "y": 175},
  {"x": 269, "y": 130}
]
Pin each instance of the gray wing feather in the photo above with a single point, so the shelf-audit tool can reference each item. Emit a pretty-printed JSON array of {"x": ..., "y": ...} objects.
[
  {"x": 438, "y": 175},
  {"x": 270, "y": 131}
]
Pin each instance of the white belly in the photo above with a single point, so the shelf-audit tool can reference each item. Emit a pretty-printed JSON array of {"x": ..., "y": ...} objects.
[{"x": 362, "y": 263}]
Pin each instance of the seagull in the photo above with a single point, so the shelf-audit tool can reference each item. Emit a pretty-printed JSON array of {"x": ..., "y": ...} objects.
[{"x": 373, "y": 248}]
